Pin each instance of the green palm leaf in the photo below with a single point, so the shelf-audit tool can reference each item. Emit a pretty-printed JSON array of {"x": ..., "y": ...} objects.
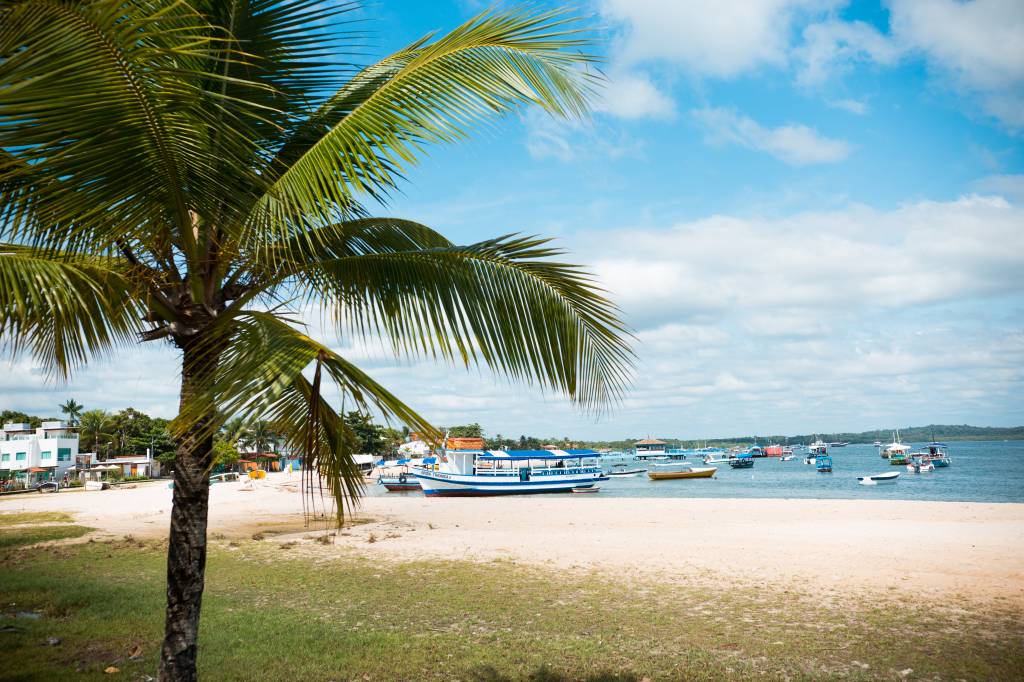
[
  {"x": 430, "y": 92},
  {"x": 65, "y": 311}
]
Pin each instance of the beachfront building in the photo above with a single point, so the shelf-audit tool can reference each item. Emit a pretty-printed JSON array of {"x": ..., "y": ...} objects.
[
  {"x": 136, "y": 465},
  {"x": 30, "y": 455},
  {"x": 650, "y": 447}
]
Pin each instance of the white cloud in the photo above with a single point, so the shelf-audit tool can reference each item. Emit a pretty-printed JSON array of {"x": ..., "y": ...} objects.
[
  {"x": 793, "y": 143},
  {"x": 835, "y": 45},
  {"x": 851, "y": 105},
  {"x": 1007, "y": 185},
  {"x": 979, "y": 44},
  {"x": 632, "y": 96},
  {"x": 720, "y": 38},
  {"x": 569, "y": 140}
]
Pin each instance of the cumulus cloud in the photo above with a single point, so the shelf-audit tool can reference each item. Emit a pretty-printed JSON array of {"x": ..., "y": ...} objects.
[
  {"x": 706, "y": 37},
  {"x": 979, "y": 44},
  {"x": 836, "y": 45},
  {"x": 634, "y": 95},
  {"x": 795, "y": 144}
]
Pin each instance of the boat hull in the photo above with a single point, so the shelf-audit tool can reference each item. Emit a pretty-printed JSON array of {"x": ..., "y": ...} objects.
[
  {"x": 879, "y": 479},
  {"x": 438, "y": 484},
  {"x": 703, "y": 472}
]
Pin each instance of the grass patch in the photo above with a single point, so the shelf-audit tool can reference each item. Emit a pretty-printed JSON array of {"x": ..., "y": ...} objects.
[
  {"x": 318, "y": 613},
  {"x": 19, "y": 518},
  {"x": 30, "y": 535}
]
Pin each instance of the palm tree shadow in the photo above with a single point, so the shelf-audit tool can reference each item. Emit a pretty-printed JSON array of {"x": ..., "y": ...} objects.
[{"x": 489, "y": 673}]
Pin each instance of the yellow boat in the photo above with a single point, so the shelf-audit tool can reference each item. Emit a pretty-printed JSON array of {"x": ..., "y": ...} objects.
[{"x": 660, "y": 472}]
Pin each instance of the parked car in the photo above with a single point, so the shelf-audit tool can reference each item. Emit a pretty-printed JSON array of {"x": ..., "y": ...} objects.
[{"x": 48, "y": 486}]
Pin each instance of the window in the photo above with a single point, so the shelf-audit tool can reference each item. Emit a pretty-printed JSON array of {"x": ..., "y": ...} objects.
[
  {"x": 63, "y": 454},
  {"x": 6, "y": 458},
  {"x": 45, "y": 454},
  {"x": 20, "y": 457}
]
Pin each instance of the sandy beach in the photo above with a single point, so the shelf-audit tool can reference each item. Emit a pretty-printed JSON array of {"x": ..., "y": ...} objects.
[{"x": 969, "y": 551}]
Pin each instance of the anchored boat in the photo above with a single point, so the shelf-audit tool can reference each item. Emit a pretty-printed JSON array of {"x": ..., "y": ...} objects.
[
  {"x": 888, "y": 477},
  {"x": 742, "y": 461},
  {"x": 823, "y": 464},
  {"x": 510, "y": 472},
  {"x": 671, "y": 470},
  {"x": 936, "y": 454}
]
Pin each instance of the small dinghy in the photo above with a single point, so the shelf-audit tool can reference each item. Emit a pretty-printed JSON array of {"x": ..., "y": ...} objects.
[
  {"x": 889, "y": 477},
  {"x": 627, "y": 473},
  {"x": 591, "y": 489}
]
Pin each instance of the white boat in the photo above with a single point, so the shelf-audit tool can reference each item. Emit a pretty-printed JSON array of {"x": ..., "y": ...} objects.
[
  {"x": 509, "y": 472},
  {"x": 786, "y": 458},
  {"x": 818, "y": 447},
  {"x": 887, "y": 477},
  {"x": 895, "y": 448}
]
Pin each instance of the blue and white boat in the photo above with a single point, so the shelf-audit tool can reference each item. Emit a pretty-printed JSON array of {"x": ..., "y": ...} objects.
[
  {"x": 936, "y": 453},
  {"x": 510, "y": 472}
]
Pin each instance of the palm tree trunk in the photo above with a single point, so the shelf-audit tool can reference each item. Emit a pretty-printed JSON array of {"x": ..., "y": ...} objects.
[{"x": 186, "y": 552}]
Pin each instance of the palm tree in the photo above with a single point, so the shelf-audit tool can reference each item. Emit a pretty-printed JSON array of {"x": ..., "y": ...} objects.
[
  {"x": 96, "y": 427},
  {"x": 200, "y": 173},
  {"x": 73, "y": 410},
  {"x": 259, "y": 436}
]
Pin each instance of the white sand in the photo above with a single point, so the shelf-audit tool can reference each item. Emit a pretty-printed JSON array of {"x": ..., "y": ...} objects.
[{"x": 965, "y": 550}]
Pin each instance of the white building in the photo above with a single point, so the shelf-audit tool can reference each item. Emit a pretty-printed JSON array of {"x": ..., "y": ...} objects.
[{"x": 30, "y": 455}]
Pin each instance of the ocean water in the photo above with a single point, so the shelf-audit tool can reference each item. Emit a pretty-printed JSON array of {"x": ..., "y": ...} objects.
[{"x": 981, "y": 472}]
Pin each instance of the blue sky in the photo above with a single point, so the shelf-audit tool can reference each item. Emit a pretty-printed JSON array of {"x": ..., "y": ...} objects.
[{"x": 810, "y": 212}]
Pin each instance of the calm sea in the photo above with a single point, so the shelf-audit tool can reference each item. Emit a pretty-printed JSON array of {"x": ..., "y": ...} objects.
[{"x": 981, "y": 472}]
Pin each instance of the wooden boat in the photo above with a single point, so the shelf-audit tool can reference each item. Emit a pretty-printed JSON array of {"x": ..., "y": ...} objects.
[
  {"x": 400, "y": 483},
  {"x": 591, "y": 489},
  {"x": 660, "y": 472},
  {"x": 823, "y": 464},
  {"x": 888, "y": 477},
  {"x": 742, "y": 462}
]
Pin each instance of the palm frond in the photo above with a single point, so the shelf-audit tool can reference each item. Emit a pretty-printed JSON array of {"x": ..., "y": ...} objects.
[
  {"x": 64, "y": 311},
  {"x": 431, "y": 92},
  {"x": 102, "y": 104},
  {"x": 258, "y": 374},
  {"x": 502, "y": 302}
]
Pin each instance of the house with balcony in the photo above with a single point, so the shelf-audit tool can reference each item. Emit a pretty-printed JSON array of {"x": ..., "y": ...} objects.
[{"x": 30, "y": 455}]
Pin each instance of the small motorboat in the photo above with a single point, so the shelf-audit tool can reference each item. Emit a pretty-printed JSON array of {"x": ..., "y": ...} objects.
[
  {"x": 787, "y": 458},
  {"x": 920, "y": 465},
  {"x": 626, "y": 473},
  {"x": 742, "y": 462},
  {"x": 660, "y": 472},
  {"x": 823, "y": 464},
  {"x": 400, "y": 483},
  {"x": 711, "y": 459},
  {"x": 888, "y": 477},
  {"x": 590, "y": 489}
]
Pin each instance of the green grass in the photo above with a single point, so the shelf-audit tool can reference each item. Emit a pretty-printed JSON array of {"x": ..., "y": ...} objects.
[
  {"x": 20, "y": 537},
  {"x": 319, "y": 613},
  {"x": 19, "y": 518}
]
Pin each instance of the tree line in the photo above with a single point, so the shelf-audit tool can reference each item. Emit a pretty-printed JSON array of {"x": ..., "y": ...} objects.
[{"x": 131, "y": 432}]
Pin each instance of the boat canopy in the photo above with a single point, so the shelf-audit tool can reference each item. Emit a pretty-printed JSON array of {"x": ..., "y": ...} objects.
[{"x": 537, "y": 454}]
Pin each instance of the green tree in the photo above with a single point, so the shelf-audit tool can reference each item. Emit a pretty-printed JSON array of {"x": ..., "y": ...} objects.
[
  {"x": 211, "y": 160},
  {"x": 14, "y": 417},
  {"x": 258, "y": 435},
  {"x": 224, "y": 453},
  {"x": 466, "y": 431},
  {"x": 95, "y": 428},
  {"x": 73, "y": 410},
  {"x": 366, "y": 436}
]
